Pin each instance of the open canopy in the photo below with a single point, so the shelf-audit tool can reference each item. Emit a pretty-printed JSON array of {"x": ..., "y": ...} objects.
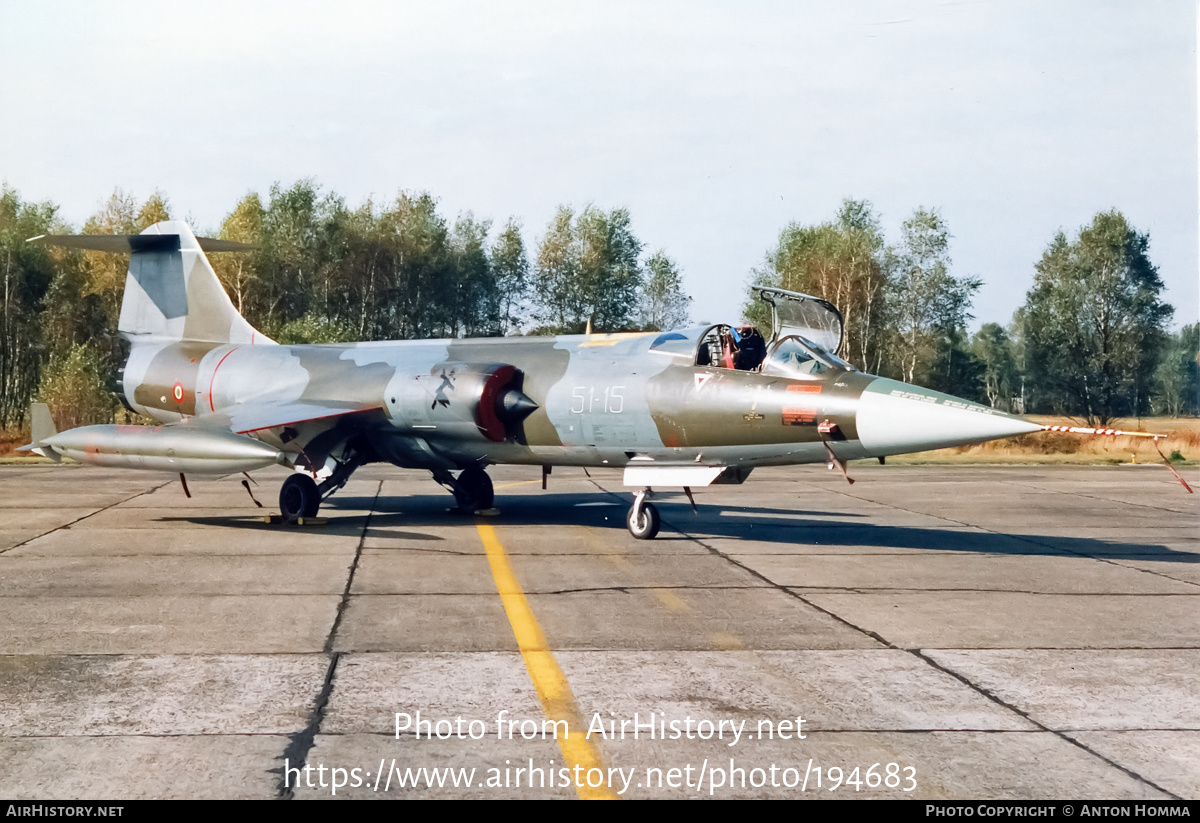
[{"x": 810, "y": 317}]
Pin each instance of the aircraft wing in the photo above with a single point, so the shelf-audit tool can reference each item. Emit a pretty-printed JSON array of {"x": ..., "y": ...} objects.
[{"x": 252, "y": 417}]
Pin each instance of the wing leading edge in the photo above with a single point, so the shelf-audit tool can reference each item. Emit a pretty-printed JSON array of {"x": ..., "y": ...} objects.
[{"x": 249, "y": 418}]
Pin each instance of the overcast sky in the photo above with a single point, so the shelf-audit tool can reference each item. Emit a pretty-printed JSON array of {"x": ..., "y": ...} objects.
[{"x": 715, "y": 124}]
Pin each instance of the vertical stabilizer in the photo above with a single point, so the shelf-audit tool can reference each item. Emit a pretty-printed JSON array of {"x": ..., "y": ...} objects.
[
  {"x": 172, "y": 292},
  {"x": 43, "y": 429},
  {"x": 42, "y": 423}
]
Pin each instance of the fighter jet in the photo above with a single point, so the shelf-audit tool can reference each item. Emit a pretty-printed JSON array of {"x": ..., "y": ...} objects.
[{"x": 681, "y": 409}]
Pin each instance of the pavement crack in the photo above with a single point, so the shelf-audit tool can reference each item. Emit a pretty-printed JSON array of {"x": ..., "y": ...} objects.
[
  {"x": 631, "y": 589},
  {"x": 1093, "y": 497},
  {"x": 919, "y": 653},
  {"x": 86, "y": 516},
  {"x": 427, "y": 552},
  {"x": 1150, "y": 571},
  {"x": 345, "y": 601},
  {"x": 1023, "y": 537},
  {"x": 759, "y": 575},
  {"x": 303, "y": 741}
]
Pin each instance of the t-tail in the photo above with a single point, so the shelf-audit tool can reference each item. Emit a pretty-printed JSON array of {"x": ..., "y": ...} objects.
[{"x": 171, "y": 291}]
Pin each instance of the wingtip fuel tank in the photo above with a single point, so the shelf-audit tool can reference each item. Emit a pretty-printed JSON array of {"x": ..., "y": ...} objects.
[{"x": 191, "y": 449}]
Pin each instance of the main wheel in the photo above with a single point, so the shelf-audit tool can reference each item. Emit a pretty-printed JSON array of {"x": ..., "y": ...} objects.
[
  {"x": 646, "y": 526},
  {"x": 299, "y": 497},
  {"x": 474, "y": 489}
]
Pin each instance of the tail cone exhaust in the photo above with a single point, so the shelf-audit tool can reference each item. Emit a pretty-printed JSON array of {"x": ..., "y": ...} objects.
[{"x": 514, "y": 406}]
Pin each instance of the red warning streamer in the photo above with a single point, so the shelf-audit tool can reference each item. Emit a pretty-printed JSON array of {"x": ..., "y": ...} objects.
[
  {"x": 1178, "y": 476},
  {"x": 1119, "y": 433},
  {"x": 1114, "y": 432}
]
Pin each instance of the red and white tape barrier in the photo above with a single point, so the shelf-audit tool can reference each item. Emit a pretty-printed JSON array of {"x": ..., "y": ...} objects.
[
  {"x": 1114, "y": 432},
  {"x": 1118, "y": 432}
]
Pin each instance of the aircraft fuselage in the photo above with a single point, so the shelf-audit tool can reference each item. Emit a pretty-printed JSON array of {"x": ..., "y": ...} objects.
[{"x": 602, "y": 400}]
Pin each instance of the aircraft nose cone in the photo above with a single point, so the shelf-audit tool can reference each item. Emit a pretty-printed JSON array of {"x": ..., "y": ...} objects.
[
  {"x": 514, "y": 405},
  {"x": 895, "y": 417}
]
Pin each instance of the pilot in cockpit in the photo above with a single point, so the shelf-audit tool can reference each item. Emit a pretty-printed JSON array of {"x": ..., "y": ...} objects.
[
  {"x": 751, "y": 350},
  {"x": 743, "y": 349}
]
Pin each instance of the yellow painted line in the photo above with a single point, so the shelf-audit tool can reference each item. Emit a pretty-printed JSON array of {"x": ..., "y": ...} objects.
[
  {"x": 619, "y": 561},
  {"x": 722, "y": 640},
  {"x": 518, "y": 483},
  {"x": 726, "y": 642},
  {"x": 551, "y": 684},
  {"x": 671, "y": 600}
]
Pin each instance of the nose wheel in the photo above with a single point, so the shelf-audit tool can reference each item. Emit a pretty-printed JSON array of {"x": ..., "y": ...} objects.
[{"x": 643, "y": 519}]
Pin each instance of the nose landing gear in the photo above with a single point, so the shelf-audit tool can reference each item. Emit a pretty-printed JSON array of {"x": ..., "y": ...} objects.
[{"x": 643, "y": 519}]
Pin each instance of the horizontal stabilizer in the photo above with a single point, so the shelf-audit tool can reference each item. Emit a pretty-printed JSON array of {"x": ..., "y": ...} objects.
[
  {"x": 132, "y": 242},
  {"x": 171, "y": 290},
  {"x": 41, "y": 451}
]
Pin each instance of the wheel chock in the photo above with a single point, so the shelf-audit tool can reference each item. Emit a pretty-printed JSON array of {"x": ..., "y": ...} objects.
[{"x": 277, "y": 520}]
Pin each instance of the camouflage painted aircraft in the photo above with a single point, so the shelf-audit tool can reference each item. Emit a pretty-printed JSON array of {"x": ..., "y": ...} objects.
[{"x": 678, "y": 409}]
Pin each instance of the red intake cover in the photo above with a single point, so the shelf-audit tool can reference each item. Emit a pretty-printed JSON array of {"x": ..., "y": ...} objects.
[{"x": 485, "y": 412}]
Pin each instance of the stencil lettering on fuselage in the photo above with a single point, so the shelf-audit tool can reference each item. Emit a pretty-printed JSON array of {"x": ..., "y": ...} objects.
[
  {"x": 601, "y": 400},
  {"x": 801, "y": 406}
]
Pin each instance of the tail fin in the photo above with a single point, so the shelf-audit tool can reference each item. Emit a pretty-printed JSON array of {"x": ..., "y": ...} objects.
[
  {"x": 171, "y": 290},
  {"x": 43, "y": 429},
  {"x": 42, "y": 423}
]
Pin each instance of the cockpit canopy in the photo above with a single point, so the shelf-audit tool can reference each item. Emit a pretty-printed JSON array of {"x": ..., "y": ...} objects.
[
  {"x": 812, "y": 318},
  {"x": 743, "y": 348},
  {"x": 806, "y": 335}
]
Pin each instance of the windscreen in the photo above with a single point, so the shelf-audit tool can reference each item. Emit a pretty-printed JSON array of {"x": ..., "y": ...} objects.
[
  {"x": 797, "y": 357},
  {"x": 802, "y": 314}
]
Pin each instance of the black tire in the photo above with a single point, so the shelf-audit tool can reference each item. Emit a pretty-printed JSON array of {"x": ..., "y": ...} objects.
[
  {"x": 474, "y": 489},
  {"x": 299, "y": 497},
  {"x": 646, "y": 527}
]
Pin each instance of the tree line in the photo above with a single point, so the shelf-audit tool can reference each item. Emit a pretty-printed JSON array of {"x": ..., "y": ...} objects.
[
  {"x": 321, "y": 271},
  {"x": 1091, "y": 339}
]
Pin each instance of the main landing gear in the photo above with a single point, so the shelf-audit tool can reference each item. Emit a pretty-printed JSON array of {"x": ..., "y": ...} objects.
[
  {"x": 643, "y": 519},
  {"x": 472, "y": 489},
  {"x": 301, "y": 495}
]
